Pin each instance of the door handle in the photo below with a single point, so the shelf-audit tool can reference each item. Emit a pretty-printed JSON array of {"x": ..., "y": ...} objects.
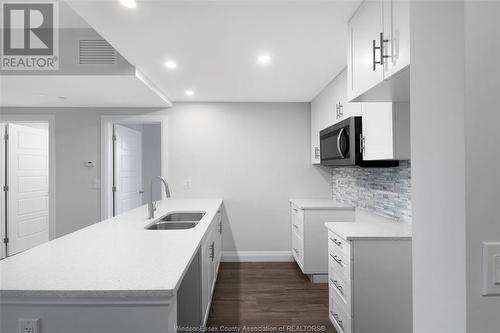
[
  {"x": 381, "y": 48},
  {"x": 338, "y": 143},
  {"x": 141, "y": 191}
]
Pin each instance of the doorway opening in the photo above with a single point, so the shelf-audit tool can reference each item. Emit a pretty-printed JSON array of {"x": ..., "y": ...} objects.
[
  {"x": 136, "y": 160},
  {"x": 25, "y": 169},
  {"x": 133, "y": 154}
]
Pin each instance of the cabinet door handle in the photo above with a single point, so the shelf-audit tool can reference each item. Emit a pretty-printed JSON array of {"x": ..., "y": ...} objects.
[
  {"x": 382, "y": 55},
  {"x": 336, "y": 241},
  {"x": 296, "y": 226},
  {"x": 381, "y": 48},
  {"x": 374, "y": 52},
  {"x": 361, "y": 143},
  {"x": 212, "y": 251},
  {"x": 337, "y": 259},
  {"x": 337, "y": 320},
  {"x": 339, "y": 287},
  {"x": 296, "y": 251}
]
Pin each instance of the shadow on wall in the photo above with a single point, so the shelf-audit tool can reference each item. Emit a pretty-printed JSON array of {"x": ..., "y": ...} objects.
[
  {"x": 325, "y": 172},
  {"x": 227, "y": 234}
]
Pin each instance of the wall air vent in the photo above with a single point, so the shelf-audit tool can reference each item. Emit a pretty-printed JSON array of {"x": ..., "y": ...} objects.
[{"x": 96, "y": 52}]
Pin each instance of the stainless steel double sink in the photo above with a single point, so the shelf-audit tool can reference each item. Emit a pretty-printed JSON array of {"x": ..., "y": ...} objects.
[{"x": 177, "y": 221}]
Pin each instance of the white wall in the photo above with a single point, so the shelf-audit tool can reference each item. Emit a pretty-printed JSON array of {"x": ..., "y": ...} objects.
[
  {"x": 455, "y": 55},
  {"x": 253, "y": 155},
  {"x": 151, "y": 160},
  {"x": 482, "y": 149},
  {"x": 438, "y": 166}
]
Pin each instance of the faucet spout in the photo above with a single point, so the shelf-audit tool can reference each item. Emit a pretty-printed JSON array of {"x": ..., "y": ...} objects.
[{"x": 152, "y": 204}]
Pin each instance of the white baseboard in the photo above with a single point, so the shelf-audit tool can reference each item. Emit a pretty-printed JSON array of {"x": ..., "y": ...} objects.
[{"x": 255, "y": 256}]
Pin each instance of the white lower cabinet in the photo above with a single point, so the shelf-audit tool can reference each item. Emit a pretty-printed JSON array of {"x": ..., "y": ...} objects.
[
  {"x": 309, "y": 240},
  {"x": 211, "y": 253},
  {"x": 370, "y": 285}
]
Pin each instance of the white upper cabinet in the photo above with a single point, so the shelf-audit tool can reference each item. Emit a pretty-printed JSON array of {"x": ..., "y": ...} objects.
[
  {"x": 344, "y": 109},
  {"x": 378, "y": 48},
  {"x": 320, "y": 118},
  {"x": 386, "y": 131},
  {"x": 397, "y": 32},
  {"x": 364, "y": 28},
  {"x": 328, "y": 108}
]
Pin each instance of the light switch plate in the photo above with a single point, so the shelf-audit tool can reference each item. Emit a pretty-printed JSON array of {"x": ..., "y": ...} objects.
[
  {"x": 496, "y": 260},
  {"x": 491, "y": 268}
]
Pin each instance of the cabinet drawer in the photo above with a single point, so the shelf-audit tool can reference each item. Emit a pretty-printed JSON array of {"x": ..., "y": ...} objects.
[
  {"x": 342, "y": 289},
  {"x": 338, "y": 245},
  {"x": 339, "y": 266},
  {"x": 298, "y": 249},
  {"x": 297, "y": 220},
  {"x": 338, "y": 316}
]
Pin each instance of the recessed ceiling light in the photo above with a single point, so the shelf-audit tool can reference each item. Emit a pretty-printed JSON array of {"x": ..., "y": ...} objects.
[
  {"x": 264, "y": 59},
  {"x": 189, "y": 92},
  {"x": 170, "y": 64},
  {"x": 128, "y": 3}
]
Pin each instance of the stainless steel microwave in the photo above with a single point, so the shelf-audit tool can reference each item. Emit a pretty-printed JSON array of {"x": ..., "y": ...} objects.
[{"x": 340, "y": 145}]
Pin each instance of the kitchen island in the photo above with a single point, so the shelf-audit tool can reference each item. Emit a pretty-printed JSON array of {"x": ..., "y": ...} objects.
[{"x": 117, "y": 276}]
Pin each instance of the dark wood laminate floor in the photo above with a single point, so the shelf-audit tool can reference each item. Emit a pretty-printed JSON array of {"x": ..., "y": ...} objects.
[{"x": 267, "y": 294}]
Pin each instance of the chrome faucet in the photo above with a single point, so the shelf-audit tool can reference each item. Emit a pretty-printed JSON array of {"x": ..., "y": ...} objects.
[{"x": 152, "y": 204}]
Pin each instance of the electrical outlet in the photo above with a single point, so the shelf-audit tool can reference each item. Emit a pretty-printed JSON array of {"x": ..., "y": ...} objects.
[{"x": 29, "y": 325}]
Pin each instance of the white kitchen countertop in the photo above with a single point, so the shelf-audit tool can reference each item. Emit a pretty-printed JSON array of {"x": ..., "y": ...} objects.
[
  {"x": 113, "y": 258},
  {"x": 370, "y": 230},
  {"x": 316, "y": 204}
]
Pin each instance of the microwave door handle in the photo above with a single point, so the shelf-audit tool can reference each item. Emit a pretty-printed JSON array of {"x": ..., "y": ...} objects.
[{"x": 338, "y": 143}]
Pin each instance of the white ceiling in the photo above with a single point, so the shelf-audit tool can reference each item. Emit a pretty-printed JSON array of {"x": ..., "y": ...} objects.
[
  {"x": 78, "y": 91},
  {"x": 216, "y": 43}
]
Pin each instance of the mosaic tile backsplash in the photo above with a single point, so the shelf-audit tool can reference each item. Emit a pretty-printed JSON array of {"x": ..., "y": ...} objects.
[{"x": 384, "y": 191}]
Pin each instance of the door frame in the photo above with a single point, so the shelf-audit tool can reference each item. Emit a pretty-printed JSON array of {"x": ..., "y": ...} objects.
[
  {"x": 107, "y": 122},
  {"x": 50, "y": 119}
]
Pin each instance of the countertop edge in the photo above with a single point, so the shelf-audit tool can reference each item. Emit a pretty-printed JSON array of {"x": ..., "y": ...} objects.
[
  {"x": 331, "y": 227},
  {"x": 297, "y": 202},
  {"x": 160, "y": 296}
]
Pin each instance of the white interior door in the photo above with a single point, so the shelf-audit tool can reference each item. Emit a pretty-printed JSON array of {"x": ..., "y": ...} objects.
[
  {"x": 28, "y": 181},
  {"x": 128, "y": 169},
  {"x": 3, "y": 251}
]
